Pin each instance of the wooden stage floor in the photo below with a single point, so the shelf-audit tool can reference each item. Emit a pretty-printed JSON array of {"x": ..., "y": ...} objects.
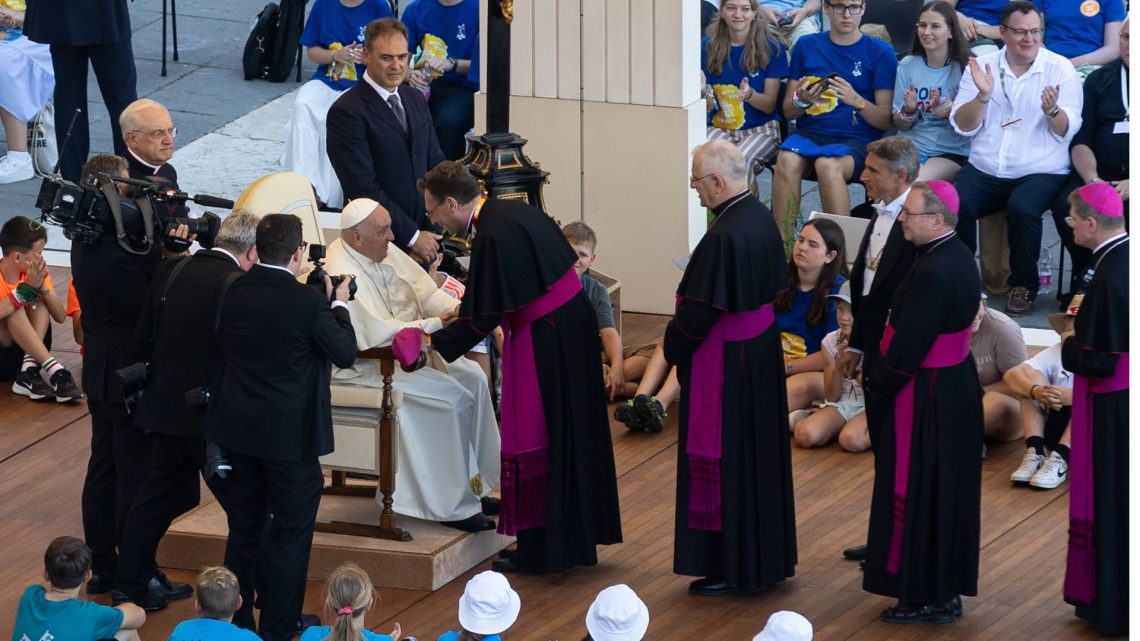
[{"x": 44, "y": 449}]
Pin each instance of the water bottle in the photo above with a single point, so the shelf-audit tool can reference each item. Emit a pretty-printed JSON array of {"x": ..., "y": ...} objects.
[{"x": 1045, "y": 272}]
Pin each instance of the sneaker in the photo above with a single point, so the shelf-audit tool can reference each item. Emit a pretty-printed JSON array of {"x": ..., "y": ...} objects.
[
  {"x": 13, "y": 171},
  {"x": 650, "y": 411},
  {"x": 1020, "y": 302},
  {"x": 626, "y": 415},
  {"x": 1051, "y": 474},
  {"x": 795, "y": 417},
  {"x": 1030, "y": 463},
  {"x": 31, "y": 384},
  {"x": 64, "y": 386}
]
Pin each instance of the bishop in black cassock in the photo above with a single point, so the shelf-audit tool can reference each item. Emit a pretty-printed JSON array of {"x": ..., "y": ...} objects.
[
  {"x": 735, "y": 518},
  {"x": 1096, "y": 572},
  {"x": 559, "y": 485},
  {"x": 923, "y": 539}
]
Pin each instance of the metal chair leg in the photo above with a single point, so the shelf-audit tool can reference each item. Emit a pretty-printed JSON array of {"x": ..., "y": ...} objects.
[
  {"x": 174, "y": 27},
  {"x": 164, "y": 38}
]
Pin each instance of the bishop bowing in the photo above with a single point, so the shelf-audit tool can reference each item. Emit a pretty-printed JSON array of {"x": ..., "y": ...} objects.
[{"x": 448, "y": 444}]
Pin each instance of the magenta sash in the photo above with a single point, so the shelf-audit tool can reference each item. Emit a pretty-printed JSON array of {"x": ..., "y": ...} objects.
[
  {"x": 526, "y": 445},
  {"x": 948, "y": 350},
  {"x": 1080, "y": 565},
  {"x": 706, "y": 382}
]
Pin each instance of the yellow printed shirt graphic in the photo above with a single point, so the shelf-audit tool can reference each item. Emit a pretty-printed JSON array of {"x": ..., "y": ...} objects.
[
  {"x": 435, "y": 47},
  {"x": 730, "y": 114},
  {"x": 826, "y": 102},
  {"x": 341, "y": 70}
]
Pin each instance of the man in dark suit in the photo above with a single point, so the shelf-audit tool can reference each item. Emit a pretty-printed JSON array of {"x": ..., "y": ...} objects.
[
  {"x": 148, "y": 133},
  {"x": 381, "y": 139},
  {"x": 272, "y": 414},
  {"x": 96, "y": 32},
  {"x": 176, "y": 335},
  {"x": 883, "y": 260}
]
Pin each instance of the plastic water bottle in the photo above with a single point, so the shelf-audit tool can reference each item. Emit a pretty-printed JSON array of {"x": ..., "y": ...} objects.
[{"x": 1045, "y": 272}]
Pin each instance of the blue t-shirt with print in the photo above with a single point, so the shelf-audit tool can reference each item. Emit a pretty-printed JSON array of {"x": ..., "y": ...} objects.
[
  {"x": 1076, "y": 27},
  {"x": 454, "y": 636},
  {"x": 203, "y": 629},
  {"x": 73, "y": 619},
  {"x": 331, "y": 23},
  {"x": 868, "y": 65},
  {"x": 457, "y": 26},
  {"x": 321, "y": 632},
  {"x": 783, "y": 6},
  {"x": 794, "y": 320},
  {"x": 732, "y": 73},
  {"x": 932, "y": 135},
  {"x": 987, "y": 11}
]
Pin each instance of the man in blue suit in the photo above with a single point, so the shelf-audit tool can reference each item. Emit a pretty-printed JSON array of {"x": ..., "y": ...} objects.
[{"x": 381, "y": 139}]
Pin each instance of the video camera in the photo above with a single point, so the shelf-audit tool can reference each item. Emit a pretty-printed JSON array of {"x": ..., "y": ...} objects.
[{"x": 317, "y": 276}]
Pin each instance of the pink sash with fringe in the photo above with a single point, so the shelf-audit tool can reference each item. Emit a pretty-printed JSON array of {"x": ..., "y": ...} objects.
[
  {"x": 525, "y": 442},
  {"x": 706, "y": 383},
  {"x": 948, "y": 350},
  {"x": 1080, "y": 565}
]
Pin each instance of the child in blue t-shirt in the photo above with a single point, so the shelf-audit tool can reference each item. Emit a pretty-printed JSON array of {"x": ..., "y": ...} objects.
[
  {"x": 350, "y": 597},
  {"x": 217, "y": 598},
  {"x": 57, "y": 612},
  {"x": 332, "y": 26},
  {"x": 1087, "y": 33},
  {"x": 840, "y": 87}
]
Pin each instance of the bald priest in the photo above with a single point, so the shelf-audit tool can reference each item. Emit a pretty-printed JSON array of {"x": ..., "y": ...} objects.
[{"x": 448, "y": 444}]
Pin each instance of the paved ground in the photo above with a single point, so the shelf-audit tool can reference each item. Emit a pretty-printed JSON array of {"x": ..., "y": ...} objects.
[{"x": 205, "y": 91}]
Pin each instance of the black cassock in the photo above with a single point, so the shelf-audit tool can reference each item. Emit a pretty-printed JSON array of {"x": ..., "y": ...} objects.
[
  {"x": 517, "y": 255},
  {"x": 1099, "y": 343},
  {"x": 737, "y": 267},
  {"x": 939, "y": 539}
]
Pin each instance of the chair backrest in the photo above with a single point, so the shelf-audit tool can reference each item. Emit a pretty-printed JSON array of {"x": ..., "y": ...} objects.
[
  {"x": 898, "y": 16},
  {"x": 853, "y": 230}
]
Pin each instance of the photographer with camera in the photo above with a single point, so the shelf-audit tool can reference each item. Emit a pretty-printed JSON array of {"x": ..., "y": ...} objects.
[
  {"x": 271, "y": 412},
  {"x": 175, "y": 344}
]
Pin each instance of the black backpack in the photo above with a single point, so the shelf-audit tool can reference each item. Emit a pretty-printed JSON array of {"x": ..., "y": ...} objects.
[
  {"x": 256, "y": 59},
  {"x": 272, "y": 48}
]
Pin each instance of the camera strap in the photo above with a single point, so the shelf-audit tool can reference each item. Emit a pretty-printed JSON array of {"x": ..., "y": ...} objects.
[
  {"x": 230, "y": 278},
  {"x": 166, "y": 290},
  {"x": 112, "y": 196}
]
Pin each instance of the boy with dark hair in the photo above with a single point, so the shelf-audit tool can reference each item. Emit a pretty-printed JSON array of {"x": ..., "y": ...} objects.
[
  {"x": 56, "y": 611},
  {"x": 218, "y": 597},
  {"x": 22, "y": 243}
]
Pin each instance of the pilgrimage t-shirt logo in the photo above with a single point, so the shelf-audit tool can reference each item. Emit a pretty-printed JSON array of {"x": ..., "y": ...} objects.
[
  {"x": 1090, "y": 8},
  {"x": 461, "y": 32}
]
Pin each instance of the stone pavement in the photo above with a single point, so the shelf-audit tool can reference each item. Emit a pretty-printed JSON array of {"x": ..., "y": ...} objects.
[{"x": 230, "y": 129}]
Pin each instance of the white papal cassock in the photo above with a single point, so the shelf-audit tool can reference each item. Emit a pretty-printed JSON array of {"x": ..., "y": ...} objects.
[{"x": 448, "y": 452}]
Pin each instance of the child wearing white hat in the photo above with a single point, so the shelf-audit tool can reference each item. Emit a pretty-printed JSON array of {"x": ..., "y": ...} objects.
[
  {"x": 487, "y": 608},
  {"x": 617, "y": 614},
  {"x": 785, "y": 625}
]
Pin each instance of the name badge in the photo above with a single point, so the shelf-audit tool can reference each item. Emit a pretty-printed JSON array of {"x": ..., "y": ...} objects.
[{"x": 1120, "y": 127}]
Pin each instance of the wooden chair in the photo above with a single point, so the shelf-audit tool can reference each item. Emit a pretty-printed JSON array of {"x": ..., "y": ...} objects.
[{"x": 385, "y": 458}]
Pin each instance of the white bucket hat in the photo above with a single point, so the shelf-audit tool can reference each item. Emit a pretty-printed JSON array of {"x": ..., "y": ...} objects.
[
  {"x": 617, "y": 614},
  {"x": 785, "y": 625},
  {"x": 488, "y": 604}
]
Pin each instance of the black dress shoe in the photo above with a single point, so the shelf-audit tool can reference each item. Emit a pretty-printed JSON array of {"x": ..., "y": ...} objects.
[
  {"x": 173, "y": 589},
  {"x": 955, "y": 606},
  {"x": 507, "y": 566},
  {"x": 101, "y": 583},
  {"x": 307, "y": 621},
  {"x": 717, "y": 586},
  {"x": 862, "y": 564},
  {"x": 855, "y": 553},
  {"x": 490, "y": 505},
  {"x": 918, "y": 613},
  {"x": 477, "y": 523},
  {"x": 152, "y": 601},
  {"x": 508, "y": 554}
]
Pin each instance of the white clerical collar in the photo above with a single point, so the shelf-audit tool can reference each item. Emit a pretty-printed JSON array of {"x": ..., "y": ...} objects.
[
  {"x": 284, "y": 269},
  {"x": 232, "y": 257},
  {"x": 1110, "y": 240},
  {"x": 891, "y": 209},
  {"x": 384, "y": 93},
  {"x": 143, "y": 162}
]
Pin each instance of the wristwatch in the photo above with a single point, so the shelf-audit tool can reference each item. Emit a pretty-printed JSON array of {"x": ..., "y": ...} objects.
[
  {"x": 1054, "y": 113},
  {"x": 454, "y": 63}
]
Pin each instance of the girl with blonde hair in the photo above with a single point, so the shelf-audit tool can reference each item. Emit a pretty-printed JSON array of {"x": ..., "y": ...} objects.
[{"x": 350, "y": 597}]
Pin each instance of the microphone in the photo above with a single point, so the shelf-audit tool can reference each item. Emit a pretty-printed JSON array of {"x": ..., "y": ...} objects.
[{"x": 213, "y": 201}]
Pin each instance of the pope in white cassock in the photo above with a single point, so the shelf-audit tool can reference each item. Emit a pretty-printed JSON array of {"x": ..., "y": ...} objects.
[{"x": 448, "y": 444}]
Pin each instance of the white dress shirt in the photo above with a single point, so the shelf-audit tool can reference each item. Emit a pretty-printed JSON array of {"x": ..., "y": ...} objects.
[
  {"x": 1025, "y": 146},
  {"x": 887, "y": 214},
  {"x": 384, "y": 95}
]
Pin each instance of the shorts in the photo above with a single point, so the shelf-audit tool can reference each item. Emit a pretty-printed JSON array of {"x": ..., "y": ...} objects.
[
  {"x": 957, "y": 159},
  {"x": 630, "y": 351},
  {"x": 820, "y": 145},
  {"x": 849, "y": 407}
]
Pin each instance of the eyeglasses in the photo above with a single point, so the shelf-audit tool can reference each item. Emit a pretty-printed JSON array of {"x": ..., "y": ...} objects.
[
  {"x": 1021, "y": 33},
  {"x": 847, "y": 9},
  {"x": 697, "y": 179},
  {"x": 909, "y": 213},
  {"x": 159, "y": 134},
  {"x": 1073, "y": 220},
  {"x": 304, "y": 245},
  {"x": 431, "y": 211}
]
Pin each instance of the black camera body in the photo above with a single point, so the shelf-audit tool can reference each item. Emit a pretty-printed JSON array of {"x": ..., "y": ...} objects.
[
  {"x": 317, "y": 275},
  {"x": 132, "y": 381}
]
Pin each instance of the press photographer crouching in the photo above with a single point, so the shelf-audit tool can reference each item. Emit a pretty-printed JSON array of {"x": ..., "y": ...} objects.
[
  {"x": 175, "y": 348},
  {"x": 270, "y": 409}
]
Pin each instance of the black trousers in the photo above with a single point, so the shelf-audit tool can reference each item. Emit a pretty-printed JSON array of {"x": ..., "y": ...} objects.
[
  {"x": 119, "y": 455},
  {"x": 452, "y": 106},
  {"x": 274, "y": 558},
  {"x": 114, "y": 66},
  {"x": 169, "y": 489},
  {"x": 1024, "y": 200}
]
